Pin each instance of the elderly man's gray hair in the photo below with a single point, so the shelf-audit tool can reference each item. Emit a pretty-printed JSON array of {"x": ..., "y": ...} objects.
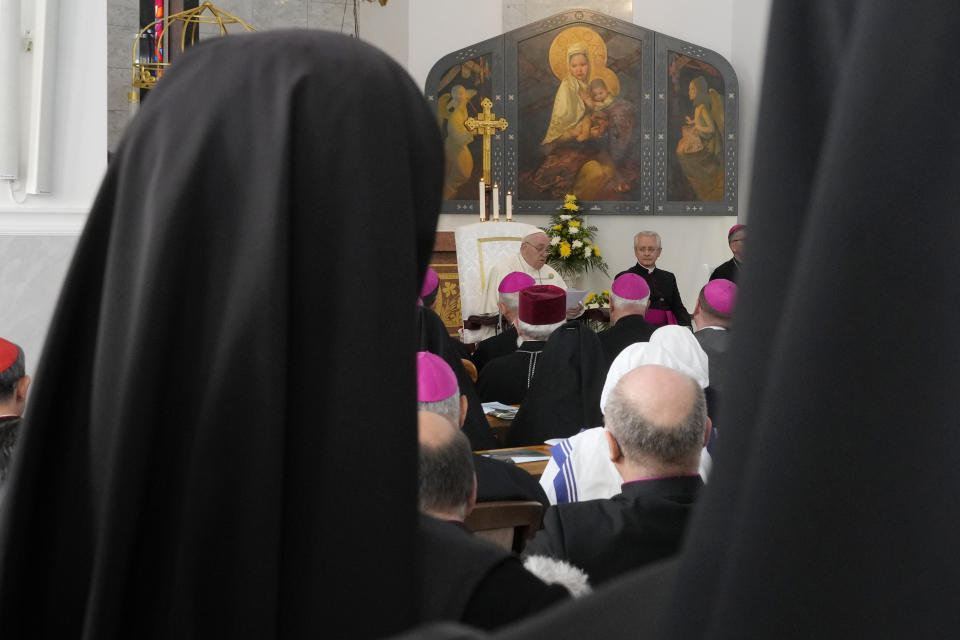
[
  {"x": 449, "y": 408},
  {"x": 647, "y": 233},
  {"x": 640, "y": 437},
  {"x": 539, "y": 332}
]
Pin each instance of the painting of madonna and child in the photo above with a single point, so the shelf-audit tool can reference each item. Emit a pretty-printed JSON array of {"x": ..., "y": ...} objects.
[{"x": 579, "y": 115}]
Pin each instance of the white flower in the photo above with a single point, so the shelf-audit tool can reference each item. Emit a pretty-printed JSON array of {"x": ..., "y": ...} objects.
[
  {"x": 587, "y": 252},
  {"x": 576, "y": 244},
  {"x": 573, "y": 230},
  {"x": 554, "y": 240},
  {"x": 565, "y": 217}
]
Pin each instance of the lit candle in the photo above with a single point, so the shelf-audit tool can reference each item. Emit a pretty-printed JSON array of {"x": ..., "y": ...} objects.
[
  {"x": 483, "y": 201},
  {"x": 496, "y": 203},
  {"x": 509, "y": 206}
]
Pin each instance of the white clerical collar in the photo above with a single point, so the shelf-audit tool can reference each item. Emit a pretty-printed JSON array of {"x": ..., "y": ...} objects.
[{"x": 649, "y": 269}]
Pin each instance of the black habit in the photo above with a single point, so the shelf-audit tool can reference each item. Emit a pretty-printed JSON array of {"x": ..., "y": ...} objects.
[
  {"x": 187, "y": 467},
  {"x": 502, "y": 344},
  {"x": 565, "y": 394},
  {"x": 664, "y": 293},
  {"x": 629, "y": 329},
  {"x": 506, "y": 379}
]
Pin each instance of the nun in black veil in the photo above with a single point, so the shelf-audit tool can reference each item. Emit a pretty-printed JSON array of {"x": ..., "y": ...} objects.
[
  {"x": 832, "y": 509},
  {"x": 189, "y": 468}
]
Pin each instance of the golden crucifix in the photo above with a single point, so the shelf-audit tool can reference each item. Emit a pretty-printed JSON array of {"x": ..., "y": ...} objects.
[{"x": 485, "y": 125}]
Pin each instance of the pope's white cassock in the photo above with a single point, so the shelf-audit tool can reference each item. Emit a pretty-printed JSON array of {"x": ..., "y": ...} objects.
[{"x": 545, "y": 275}]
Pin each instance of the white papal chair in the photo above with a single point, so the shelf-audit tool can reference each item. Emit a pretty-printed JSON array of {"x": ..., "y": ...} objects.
[{"x": 480, "y": 246}]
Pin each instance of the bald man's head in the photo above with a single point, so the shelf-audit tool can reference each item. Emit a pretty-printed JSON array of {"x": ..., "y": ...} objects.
[
  {"x": 658, "y": 415},
  {"x": 445, "y": 469}
]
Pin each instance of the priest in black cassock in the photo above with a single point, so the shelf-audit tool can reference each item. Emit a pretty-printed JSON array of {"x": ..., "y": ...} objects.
[
  {"x": 542, "y": 310},
  {"x": 629, "y": 297},
  {"x": 665, "y": 307},
  {"x": 508, "y": 300},
  {"x": 730, "y": 270}
]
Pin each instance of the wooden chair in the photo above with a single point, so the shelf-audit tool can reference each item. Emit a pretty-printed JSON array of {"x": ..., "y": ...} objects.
[
  {"x": 470, "y": 367},
  {"x": 507, "y": 523}
]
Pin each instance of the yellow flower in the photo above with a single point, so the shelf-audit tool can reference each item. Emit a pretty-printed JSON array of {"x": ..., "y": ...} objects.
[
  {"x": 557, "y": 227},
  {"x": 590, "y": 298},
  {"x": 596, "y": 250},
  {"x": 570, "y": 198},
  {"x": 564, "y": 249},
  {"x": 574, "y": 223},
  {"x": 570, "y": 206},
  {"x": 606, "y": 292}
]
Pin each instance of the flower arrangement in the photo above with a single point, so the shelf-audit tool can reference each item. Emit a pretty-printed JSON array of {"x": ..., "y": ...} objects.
[
  {"x": 572, "y": 250},
  {"x": 598, "y": 300}
]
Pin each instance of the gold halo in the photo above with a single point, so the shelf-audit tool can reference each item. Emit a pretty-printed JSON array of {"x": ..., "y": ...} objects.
[
  {"x": 596, "y": 50},
  {"x": 609, "y": 78}
]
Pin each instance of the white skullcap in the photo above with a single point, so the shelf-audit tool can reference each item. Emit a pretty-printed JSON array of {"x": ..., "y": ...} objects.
[{"x": 670, "y": 346}]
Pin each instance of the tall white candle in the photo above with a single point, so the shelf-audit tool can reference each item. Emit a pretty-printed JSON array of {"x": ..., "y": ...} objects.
[
  {"x": 483, "y": 201},
  {"x": 509, "y": 206},
  {"x": 496, "y": 202}
]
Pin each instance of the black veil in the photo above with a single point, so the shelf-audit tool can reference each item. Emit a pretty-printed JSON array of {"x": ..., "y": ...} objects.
[{"x": 189, "y": 467}]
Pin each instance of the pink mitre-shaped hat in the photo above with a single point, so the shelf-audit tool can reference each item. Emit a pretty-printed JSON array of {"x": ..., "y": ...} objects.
[
  {"x": 435, "y": 379},
  {"x": 630, "y": 286},
  {"x": 721, "y": 294},
  {"x": 8, "y": 354},
  {"x": 515, "y": 281},
  {"x": 733, "y": 230},
  {"x": 430, "y": 282}
]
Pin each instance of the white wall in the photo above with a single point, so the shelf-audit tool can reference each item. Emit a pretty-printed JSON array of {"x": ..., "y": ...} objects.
[{"x": 37, "y": 236}]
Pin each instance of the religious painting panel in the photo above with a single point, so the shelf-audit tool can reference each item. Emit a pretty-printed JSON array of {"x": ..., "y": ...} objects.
[
  {"x": 628, "y": 120},
  {"x": 456, "y": 87},
  {"x": 696, "y": 131},
  {"x": 584, "y": 84}
]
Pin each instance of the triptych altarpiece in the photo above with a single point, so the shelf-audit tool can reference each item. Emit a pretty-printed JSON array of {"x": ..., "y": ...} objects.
[{"x": 631, "y": 121}]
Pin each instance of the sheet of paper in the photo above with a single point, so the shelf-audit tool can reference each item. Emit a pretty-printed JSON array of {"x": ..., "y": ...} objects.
[
  {"x": 575, "y": 296},
  {"x": 490, "y": 407}
]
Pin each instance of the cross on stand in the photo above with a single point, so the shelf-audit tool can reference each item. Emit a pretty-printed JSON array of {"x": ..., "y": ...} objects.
[{"x": 485, "y": 125}]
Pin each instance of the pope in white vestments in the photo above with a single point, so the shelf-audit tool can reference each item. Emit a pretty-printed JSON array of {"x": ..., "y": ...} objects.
[{"x": 531, "y": 260}]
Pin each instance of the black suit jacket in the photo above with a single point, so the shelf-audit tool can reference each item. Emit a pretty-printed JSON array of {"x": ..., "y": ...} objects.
[
  {"x": 502, "y": 344},
  {"x": 609, "y": 537},
  {"x": 664, "y": 293},
  {"x": 629, "y": 329}
]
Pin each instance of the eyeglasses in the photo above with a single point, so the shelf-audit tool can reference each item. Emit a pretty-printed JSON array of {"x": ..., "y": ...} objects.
[{"x": 540, "y": 249}]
